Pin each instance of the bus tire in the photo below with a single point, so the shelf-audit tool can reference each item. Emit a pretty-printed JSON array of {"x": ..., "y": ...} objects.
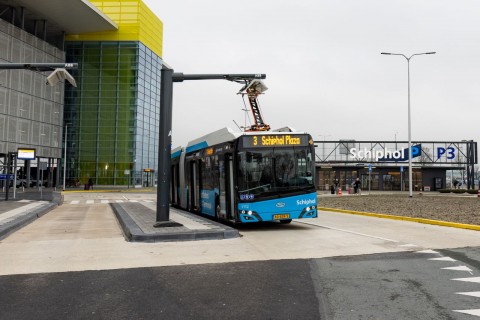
[{"x": 286, "y": 221}]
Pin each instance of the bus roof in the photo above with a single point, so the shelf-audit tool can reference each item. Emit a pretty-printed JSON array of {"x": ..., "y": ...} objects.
[
  {"x": 213, "y": 138},
  {"x": 176, "y": 152},
  {"x": 224, "y": 135}
]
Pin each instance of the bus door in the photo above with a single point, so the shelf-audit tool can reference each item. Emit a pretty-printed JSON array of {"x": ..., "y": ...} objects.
[
  {"x": 195, "y": 186},
  {"x": 229, "y": 187},
  {"x": 174, "y": 186}
]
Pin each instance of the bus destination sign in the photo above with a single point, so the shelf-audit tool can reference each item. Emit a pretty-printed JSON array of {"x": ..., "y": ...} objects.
[{"x": 270, "y": 140}]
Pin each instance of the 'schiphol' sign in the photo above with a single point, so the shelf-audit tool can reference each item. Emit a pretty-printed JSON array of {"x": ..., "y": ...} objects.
[{"x": 386, "y": 155}]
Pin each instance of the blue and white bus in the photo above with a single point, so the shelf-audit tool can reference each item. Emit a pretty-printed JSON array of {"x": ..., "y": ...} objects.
[{"x": 246, "y": 176}]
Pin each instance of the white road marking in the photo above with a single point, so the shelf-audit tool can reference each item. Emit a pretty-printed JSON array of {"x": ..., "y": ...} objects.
[
  {"x": 426, "y": 251},
  {"x": 105, "y": 201},
  {"x": 408, "y": 245},
  {"x": 443, "y": 259},
  {"x": 459, "y": 268},
  {"x": 347, "y": 231},
  {"x": 25, "y": 200},
  {"x": 472, "y": 279},
  {"x": 473, "y": 294},
  {"x": 473, "y": 312}
]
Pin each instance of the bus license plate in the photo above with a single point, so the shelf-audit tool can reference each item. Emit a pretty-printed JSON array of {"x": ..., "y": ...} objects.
[{"x": 281, "y": 216}]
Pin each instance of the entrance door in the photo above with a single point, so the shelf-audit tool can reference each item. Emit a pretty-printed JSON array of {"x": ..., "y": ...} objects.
[
  {"x": 174, "y": 186},
  {"x": 373, "y": 181},
  {"x": 229, "y": 187}
]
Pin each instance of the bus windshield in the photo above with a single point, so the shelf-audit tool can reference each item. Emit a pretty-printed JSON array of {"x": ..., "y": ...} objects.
[{"x": 269, "y": 172}]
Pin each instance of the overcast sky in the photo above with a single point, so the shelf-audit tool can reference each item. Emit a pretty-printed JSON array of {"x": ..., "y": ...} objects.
[{"x": 324, "y": 69}]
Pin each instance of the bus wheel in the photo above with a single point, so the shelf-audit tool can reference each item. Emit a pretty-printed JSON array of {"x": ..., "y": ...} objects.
[{"x": 286, "y": 221}]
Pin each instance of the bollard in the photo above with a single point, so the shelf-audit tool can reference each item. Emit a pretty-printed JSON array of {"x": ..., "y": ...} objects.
[{"x": 340, "y": 192}]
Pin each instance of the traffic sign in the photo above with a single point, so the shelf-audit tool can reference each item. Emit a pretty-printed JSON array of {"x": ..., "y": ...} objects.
[
  {"x": 401, "y": 168},
  {"x": 3, "y": 176},
  {"x": 370, "y": 167}
]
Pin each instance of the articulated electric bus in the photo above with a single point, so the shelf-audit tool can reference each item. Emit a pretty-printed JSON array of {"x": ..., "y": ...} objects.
[{"x": 246, "y": 176}]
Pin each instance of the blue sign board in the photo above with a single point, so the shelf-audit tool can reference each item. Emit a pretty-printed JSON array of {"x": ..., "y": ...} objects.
[
  {"x": 3, "y": 176},
  {"x": 370, "y": 167},
  {"x": 401, "y": 168},
  {"x": 401, "y": 155}
]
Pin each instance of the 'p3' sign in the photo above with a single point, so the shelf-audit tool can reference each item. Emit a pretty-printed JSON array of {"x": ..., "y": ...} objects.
[{"x": 450, "y": 152}]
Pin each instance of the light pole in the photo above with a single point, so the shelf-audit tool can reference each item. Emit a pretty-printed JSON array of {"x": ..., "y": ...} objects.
[
  {"x": 410, "y": 192},
  {"x": 65, "y": 157}
]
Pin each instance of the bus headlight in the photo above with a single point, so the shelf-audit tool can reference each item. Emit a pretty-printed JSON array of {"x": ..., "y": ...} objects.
[
  {"x": 250, "y": 212},
  {"x": 308, "y": 212}
]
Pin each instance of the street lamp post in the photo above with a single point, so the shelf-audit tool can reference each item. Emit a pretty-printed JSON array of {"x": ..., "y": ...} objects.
[
  {"x": 65, "y": 158},
  {"x": 410, "y": 192}
]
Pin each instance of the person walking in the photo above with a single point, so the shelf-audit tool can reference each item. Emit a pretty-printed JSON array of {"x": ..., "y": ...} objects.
[
  {"x": 455, "y": 183},
  {"x": 356, "y": 186},
  {"x": 90, "y": 184}
]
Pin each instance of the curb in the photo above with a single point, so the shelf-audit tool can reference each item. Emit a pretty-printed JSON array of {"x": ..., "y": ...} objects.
[
  {"x": 18, "y": 223},
  {"x": 109, "y": 190},
  {"x": 134, "y": 233},
  {"x": 419, "y": 220}
]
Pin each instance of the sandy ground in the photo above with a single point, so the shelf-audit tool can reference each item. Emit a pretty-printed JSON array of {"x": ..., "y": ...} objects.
[{"x": 459, "y": 209}]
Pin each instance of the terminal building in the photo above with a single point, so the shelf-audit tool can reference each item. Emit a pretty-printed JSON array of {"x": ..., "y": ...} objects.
[
  {"x": 111, "y": 118},
  {"x": 383, "y": 165}
]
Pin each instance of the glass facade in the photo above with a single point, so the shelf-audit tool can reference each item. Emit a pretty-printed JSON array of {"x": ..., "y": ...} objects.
[
  {"x": 30, "y": 111},
  {"x": 113, "y": 114}
]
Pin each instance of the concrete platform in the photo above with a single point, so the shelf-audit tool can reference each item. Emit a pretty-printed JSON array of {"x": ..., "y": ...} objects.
[{"x": 138, "y": 221}]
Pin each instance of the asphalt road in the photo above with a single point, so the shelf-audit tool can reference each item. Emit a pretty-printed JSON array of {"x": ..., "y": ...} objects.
[{"x": 259, "y": 290}]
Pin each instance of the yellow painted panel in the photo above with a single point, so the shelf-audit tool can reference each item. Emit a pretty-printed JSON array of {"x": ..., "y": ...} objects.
[{"x": 136, "y": 22}]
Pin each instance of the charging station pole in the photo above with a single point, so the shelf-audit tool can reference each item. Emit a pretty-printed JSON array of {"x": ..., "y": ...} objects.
[{"x": 165, "y": 133}]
